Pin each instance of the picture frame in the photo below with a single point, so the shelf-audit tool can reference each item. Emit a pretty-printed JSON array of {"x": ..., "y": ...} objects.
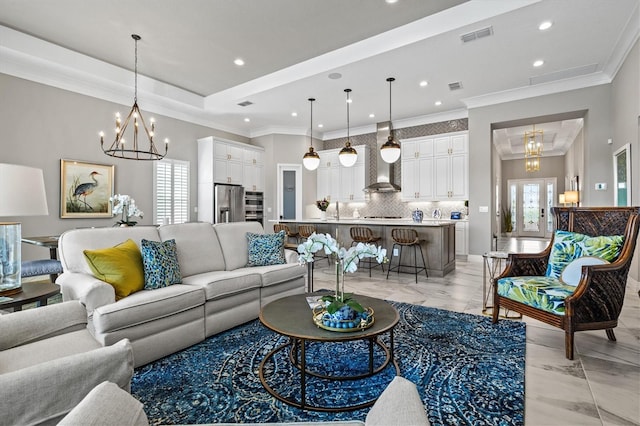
[{"x": 85, "y": 189}]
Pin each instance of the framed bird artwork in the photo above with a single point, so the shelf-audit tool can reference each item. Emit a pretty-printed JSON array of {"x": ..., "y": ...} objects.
[{"x": 85, "y": 189}]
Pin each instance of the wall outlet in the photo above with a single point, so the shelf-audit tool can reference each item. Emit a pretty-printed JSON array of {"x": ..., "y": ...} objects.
[
  {"x": 601, "y": 186},
  {"x": 395, "y": 251},
  {"x": 483, "y": 209}
]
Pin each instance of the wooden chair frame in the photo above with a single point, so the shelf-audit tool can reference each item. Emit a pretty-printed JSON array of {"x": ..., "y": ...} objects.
[{"x": 597, "y": 300}]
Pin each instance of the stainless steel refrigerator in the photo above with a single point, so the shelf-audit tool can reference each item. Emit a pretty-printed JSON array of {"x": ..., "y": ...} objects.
[{"x": 228, "y": 203}]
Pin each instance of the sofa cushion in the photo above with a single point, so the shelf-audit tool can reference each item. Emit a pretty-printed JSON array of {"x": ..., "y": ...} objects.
[
  {"x": 276, "y": 274},
  {"x": 235, "y": 247},
  {"x": 40, "y": 351},
  {"x": 160, "y": 261},
  {"x": 198, "y": 247},
  {"x": 72, "y": 243},
  {"x": 568, "y": 246},
  {"x": 120, "y": 266},
  {"x": 219, "y": 284},
  {"x": 145, "y": 306},
  {"x": 544, "y": 293},
  {"x": 265, "y": 249}
]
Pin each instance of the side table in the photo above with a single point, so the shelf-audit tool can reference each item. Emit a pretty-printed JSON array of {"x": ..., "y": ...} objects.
[
  {"x": 493, "y": 267},
  {"x": 32, "y": 291}
]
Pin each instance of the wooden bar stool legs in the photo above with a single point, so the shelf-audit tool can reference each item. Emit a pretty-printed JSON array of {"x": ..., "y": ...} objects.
[
  {"x": 403, "y": 237},
  {"x": 362, "y": 234}
]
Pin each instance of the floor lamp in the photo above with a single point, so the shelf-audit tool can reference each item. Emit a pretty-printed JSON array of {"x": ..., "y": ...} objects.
[{"x": 21, "y": 194}]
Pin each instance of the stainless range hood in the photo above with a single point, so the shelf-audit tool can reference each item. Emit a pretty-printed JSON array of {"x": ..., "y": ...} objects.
[{"x": 384, "y": 174}]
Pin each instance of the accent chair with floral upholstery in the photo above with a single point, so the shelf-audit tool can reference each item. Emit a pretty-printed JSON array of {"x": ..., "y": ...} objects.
[{"x": 578, "y": 282}]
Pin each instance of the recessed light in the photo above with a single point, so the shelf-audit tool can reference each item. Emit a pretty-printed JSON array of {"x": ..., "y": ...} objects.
[
  {"x": 247, "y": 119},
  {"x": 423, "y": 83},
  {"x": 320, "y": 125},
  {"x": 545, "y": 25},
  {"x": 438, "y": 103},
  {"x": 294, "y": 114},
  {"x": 391, "y": 1},
  {"x": 239, "y": 62},
  {"x": 335, "y": 76},
  {"x": 372, "y": 115},
  {"x": 538, "y": 63}
]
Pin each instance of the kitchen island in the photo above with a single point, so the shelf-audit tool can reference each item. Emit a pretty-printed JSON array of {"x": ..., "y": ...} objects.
[{"x": 437, "y": 238}]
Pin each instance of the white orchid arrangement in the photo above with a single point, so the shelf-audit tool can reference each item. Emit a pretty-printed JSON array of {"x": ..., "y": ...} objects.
[
  {"x": 346, "y": 261},
  {"x": 125, "y": 206}
]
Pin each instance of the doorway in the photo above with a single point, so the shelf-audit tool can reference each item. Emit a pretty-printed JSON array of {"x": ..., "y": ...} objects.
[
  {"x": 289, "y": 191},
  {"x": 530, "y": 202}
]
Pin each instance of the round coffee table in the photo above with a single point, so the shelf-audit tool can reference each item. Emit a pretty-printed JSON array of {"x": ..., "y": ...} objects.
[
  {"x": 32, "y": 291},
  {"x": 292, "y": 317}
]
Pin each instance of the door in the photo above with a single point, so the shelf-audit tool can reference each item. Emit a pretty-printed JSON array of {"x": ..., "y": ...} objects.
[
  {"x": 288, "y": 194},
  {"x": 530, "y": 200}
]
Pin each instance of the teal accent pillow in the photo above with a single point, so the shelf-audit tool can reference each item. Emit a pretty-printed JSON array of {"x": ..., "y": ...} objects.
[
  {"x": 568, "y": 246},
  {"x": 266, "y": 249},
  {"x": 160, "y": 263}
]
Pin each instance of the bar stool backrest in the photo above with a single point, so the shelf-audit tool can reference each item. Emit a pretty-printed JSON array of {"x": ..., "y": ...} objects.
[
  {"x": 361, "y": 234},
  {"x": 405, "y": 236},
  {"x": 277, "y": 227},
  {"x": 305, "y": 231}
]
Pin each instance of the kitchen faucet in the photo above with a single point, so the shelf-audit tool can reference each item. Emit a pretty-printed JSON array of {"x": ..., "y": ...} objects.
[{"x": 337, "y": 210}]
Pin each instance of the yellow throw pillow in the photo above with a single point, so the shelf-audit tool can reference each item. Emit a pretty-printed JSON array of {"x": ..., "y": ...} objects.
[{"x": 120, "y": 266}]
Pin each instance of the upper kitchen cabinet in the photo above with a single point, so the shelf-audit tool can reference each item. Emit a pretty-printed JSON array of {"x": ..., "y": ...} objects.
[
  {"x": 328, "y": 175},
  {"x": 417, "y": 169},
  {"x": 354, "y": 179},
  {"x": 231, "y": 163},
  {"x": 451, "y": 167}
]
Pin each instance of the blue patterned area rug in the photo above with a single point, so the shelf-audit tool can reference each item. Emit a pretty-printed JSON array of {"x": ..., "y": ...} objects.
[{"x": 468, "y": 371}]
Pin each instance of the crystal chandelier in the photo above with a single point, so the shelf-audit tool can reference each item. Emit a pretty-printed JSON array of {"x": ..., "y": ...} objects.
[{"x": 120, "y": 147}]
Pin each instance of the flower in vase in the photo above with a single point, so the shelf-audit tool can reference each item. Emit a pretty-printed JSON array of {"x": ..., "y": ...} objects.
[
  {"x": 125, "y": 206},
  {"x": 346, "y": 261},
  {"x": 322, "y": 204}
]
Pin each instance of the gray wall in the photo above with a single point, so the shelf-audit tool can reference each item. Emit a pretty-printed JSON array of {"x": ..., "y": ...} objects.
[{"x": 42, "y": 124}]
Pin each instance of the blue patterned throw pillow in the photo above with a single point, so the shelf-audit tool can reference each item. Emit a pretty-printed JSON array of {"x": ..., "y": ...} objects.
[
  {"x": 569, "y": 246},
  {"x": 160, "y": 262},
  {"x": 266, "y": 249}
]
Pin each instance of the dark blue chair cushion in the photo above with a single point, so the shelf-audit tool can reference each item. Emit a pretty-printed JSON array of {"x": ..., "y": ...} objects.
[{"x": 32, "y": 268}]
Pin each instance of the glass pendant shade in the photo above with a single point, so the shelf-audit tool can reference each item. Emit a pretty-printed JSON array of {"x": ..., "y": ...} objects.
[
  {"x": 348, "y": 155},
  {"x": 390, "y": 151},
  {"x": 311, "y": 159}
]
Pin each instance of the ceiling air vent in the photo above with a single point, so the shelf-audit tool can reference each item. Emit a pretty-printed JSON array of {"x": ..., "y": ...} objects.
[
  {"x": 455, "y": 85},
  {"x": 474, "y": 35},
  {"x": 245, "y": 103}
]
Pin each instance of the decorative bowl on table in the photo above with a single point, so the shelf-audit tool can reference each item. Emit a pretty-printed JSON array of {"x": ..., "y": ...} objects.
[{"x": 343, "y": 320}]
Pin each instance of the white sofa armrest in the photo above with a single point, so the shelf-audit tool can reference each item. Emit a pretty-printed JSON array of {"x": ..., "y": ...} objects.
[
  {"x": 46, "y": 392},
  {"x": 28, "y": 326},
  {"x": 107, "y": 403},
  {"x": 398, "y": 405},
  {"x": 89, "y": 290},
  {"x": 291, "y": 256}
]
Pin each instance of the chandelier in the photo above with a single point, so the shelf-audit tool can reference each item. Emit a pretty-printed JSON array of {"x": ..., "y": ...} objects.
[
  {"x": 348, "y": 155},
  {"x": 311, "y": 159},
  {"x": 533, "y": 146},
  {"x": 120, "y": 147},
  {"x": 532, "y": 164}
]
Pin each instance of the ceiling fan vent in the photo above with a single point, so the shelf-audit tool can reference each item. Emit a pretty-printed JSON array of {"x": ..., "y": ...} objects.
[
  {"x": 245, "y": 103},
  {"x": 474, "y": 35},
  {"x": 456, "y": 85}
]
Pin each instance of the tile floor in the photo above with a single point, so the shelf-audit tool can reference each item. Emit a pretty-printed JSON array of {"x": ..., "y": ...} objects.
[{"x": 601, "y": 386}]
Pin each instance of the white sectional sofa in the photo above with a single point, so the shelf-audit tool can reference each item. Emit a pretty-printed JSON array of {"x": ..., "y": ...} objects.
[{"x": 218, "y": 291}]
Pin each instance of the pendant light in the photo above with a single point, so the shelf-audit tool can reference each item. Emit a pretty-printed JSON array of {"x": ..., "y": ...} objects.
[
  {"x": 132, "y": 150},
  {"x": 311, "y": 159},
  {"x": 390, "y": 151},
  {"x": 348, "y": 155}
]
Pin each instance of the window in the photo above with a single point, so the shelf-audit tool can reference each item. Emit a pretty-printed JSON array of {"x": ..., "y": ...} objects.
[{"x": 171, "y": 189}]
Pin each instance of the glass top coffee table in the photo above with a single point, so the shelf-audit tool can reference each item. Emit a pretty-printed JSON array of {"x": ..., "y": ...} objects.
[{"x": 292, "y": 317}]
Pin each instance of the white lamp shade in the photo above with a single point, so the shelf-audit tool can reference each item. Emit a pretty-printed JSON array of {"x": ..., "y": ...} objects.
[
  {"x": 311, "y": 163},
  {"x": 348, "y": 159},
  {"x": 571, "y": 196},
  {"x": 390, "y": 155},
  {"x": 561, "y": 199},
  {"x": 22, "y": 191}
]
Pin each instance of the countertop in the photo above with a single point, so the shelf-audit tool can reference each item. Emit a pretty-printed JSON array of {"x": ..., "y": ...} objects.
[{"x": 374, "y": 222}]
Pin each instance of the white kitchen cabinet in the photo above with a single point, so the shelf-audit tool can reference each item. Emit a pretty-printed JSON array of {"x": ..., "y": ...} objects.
[
  {"x": 417, "y": 169},
  {"x": 328, "y": 175},
  {"x": 451, "y": 167},
  {"x": 253, "y": 169},
  {"x": 354, "y": 179},
  {"x": 230, "y": 162},
  {"x": 462, "y": 239},
  {"x": 227, "y": 161}
]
